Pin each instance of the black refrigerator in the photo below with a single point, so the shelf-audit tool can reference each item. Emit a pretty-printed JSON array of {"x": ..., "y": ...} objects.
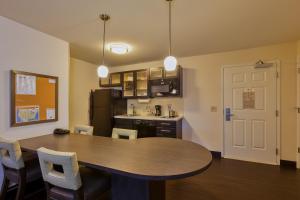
[{"x": 104, "y": 105}]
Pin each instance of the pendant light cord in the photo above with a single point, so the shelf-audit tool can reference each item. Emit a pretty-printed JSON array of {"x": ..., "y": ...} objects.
[
  {"x": 103, "y": 45},
  {"x": 170, "y": 28}
]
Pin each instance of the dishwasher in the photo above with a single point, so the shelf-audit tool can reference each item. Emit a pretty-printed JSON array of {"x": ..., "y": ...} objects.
[{"x": 145, "y": 128}]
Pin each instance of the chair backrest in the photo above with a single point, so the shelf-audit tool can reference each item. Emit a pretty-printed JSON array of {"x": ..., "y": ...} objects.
[
  {"x": 69, "y": 178},
  {"x": 11, "y": 154},
  {"x": 131, "y": 134},
  {"x": 84, "y": 129}
]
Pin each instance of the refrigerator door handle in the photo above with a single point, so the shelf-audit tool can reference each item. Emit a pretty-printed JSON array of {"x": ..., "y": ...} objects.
[{"x": 91, "y": 111}]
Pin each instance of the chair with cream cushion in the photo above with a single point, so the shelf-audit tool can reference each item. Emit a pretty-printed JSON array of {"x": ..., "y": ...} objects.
[
  {"x": 84, "y": 129},
  {"x": 119, "y": 132},
  {"x": 73, "y": 182},
  {"x": 19, "y": 167}
]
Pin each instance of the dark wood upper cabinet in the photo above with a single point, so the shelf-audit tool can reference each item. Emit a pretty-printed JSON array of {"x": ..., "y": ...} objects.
[
  {"x": 116, "y": 79},
  {"x": 136, "y": 84},
  {"x": 172, "y": 74},
  {"x": 129, "y": 84},
  {"x": 104, "y": 82},
  {"x": 165, "y": 83},
  {"x": 142, "y": 83},
  {"x": 156, "y": 73},
  {"x": 145, "y": 83},
  {"x": 113, "y": 80},
  {"x": 161, "y": 73}
]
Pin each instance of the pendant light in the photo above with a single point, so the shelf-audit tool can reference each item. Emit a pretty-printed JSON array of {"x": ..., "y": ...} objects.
[
  {"x": 170, "y": 62},
  {"x": 102, "y": 70}
]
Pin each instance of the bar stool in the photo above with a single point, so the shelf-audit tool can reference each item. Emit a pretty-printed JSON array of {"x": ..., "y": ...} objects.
[
  {"x": 19, "y": 167},
  {"x": 119, "y": 133},
  {"x": 84, "y": 129},
  {"x": 73, "y": 182}
]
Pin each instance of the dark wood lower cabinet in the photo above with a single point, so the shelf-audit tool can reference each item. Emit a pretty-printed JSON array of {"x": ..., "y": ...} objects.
[
  {"x": 123, "y": 123},
  {"x": 151, "y": 128}
]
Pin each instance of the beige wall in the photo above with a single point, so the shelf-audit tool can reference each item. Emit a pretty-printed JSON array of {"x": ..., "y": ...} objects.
[
  {"x": 83, "y": 78},
  {"x": 25, "y": 49},
  {"x": 202, "y": 90},
  {"x": 141, "y": 108},
  {"x": 298, "y": 53}
]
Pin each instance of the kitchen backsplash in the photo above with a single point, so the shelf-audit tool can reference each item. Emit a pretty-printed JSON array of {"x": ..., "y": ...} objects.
[{"x": 143, "y": 108}]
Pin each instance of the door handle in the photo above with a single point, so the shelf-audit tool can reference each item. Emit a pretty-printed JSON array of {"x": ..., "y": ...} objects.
[{"x": 228, "y": 114}]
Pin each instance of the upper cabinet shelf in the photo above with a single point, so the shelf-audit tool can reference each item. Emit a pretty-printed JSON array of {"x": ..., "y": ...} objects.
[
  {"x": 136, "y": 84},
  {"x": 160, "y": 73},
  {"x": 142, "y": 83},
  {"x": 156, "y": 73},
  {"x": 113, "y": 80},
  {"x": 145, "y": 83},
  {"x": 128, "y": 84}
]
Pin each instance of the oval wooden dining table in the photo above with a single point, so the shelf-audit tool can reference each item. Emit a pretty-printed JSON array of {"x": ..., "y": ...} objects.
[{"x": 139, "y": 167}]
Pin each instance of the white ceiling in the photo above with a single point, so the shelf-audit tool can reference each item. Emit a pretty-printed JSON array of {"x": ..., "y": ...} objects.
[{"x": 200, "y": 26}]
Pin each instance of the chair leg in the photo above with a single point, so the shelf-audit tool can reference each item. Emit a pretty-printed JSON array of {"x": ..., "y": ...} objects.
[
  {"x": 4, "y": 188},
  {"x": 21, "y": 184}
]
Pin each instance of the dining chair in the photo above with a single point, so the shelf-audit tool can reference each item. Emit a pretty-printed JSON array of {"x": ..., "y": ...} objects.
[
  {"x": 84, "y": 129},
  {"x": 119, "y": 133},
  {"x": 19, "y": 167},
  {"x": 73, "y": 182}
]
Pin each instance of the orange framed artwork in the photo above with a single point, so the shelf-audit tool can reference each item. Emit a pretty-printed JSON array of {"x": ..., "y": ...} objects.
[{"x": 34, "y": 98}]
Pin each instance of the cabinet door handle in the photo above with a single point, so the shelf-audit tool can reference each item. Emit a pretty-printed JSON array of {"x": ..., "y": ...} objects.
[
  {"x": 166, "y": 131},
  {"x": 164, "y": 123}
]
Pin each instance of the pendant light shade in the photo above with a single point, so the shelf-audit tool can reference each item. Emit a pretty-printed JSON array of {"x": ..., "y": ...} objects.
[
  {"x": 170, "y": 62},
  {"x": 102, "y": 70}
]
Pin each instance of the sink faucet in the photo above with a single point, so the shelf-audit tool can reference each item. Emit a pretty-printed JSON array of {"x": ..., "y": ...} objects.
[{"x": 133, "y": 109}]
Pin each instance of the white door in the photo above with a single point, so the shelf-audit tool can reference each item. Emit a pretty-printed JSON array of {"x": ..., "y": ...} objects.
[{"x": 250, "y": 124}]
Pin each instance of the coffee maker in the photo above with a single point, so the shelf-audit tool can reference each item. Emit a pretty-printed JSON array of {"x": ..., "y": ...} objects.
[{"x": 157, "y": 110}]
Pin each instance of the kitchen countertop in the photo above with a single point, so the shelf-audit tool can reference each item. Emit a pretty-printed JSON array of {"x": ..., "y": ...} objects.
[{"x": 149, "y": 118}]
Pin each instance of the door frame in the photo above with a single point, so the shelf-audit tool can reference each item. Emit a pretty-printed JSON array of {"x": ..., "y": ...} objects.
[
  {"x": 278, "y": 100},
  {"x": 298, "y": 114}
]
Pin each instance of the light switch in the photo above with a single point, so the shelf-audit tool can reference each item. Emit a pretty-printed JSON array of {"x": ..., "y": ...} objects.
[{"x": 213, "y": 109}]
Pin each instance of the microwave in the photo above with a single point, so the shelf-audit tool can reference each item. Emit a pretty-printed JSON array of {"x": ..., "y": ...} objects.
[{"x": 165, "y": 87}]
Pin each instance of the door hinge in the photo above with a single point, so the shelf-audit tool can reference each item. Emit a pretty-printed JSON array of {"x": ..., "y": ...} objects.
[
  {"x": 277, "y": 74},
  {"x": 277, "y": 113},
  {"x": 277, "y": 151},
  {"x": 298, "y": 70},
  {"x": 298, "y": 149}
]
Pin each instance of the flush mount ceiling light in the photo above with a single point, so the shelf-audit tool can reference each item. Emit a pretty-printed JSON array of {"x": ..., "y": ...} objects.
[
  {"x": 170, "y": 62},
  {"x": 102, "y": 70},
  {"x": 119, "y": 48}
]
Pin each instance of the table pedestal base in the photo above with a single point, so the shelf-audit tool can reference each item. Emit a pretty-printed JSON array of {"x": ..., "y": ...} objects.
[{"x": 126, "y": 188}]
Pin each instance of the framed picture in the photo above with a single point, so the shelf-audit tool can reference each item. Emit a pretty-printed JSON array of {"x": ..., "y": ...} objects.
[{"x": 34, "y": 98}]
